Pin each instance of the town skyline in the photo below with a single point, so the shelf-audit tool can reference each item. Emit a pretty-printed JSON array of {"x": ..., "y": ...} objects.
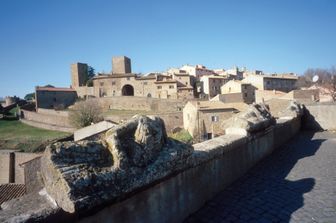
[{"x": 41, "y": 40}]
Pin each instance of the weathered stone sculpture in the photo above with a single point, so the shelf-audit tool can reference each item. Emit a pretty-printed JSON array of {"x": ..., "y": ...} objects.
[
  {"x": 256, "y": 118},
  {"x": 293, "y": 110},
  {"x": 80, "y": 176},
  {"x": 137, "y": 143}
]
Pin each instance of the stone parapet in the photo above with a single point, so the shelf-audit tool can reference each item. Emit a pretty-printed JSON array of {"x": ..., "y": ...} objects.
[{"x": 138, "y": 175}]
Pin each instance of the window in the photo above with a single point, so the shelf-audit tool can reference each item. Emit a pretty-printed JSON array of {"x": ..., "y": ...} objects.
[
  {"x": 113, "y": 83},
  {"x": 214, "y": 118},
  {"x": 171, "y": 86},
  {"x": 159, "y": 87}
]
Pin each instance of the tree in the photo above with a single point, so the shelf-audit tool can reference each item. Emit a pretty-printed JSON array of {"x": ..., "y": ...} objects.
[
  {"x": 84, "y": 113},
  {"x": 49, "y": 85},
  {"x": 326, "y": 79},
  {"x": 30, "y": 96},
  {"x": 90, "y": 74}
]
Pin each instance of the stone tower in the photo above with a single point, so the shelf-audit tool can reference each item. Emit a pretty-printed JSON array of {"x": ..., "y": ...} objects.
[
  {"x": 121, "y": 65},
  {"x": 78, "y": 74}
]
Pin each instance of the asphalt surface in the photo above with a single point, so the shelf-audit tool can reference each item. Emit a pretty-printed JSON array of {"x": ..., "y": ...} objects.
[{"x": 297, "y": 183}]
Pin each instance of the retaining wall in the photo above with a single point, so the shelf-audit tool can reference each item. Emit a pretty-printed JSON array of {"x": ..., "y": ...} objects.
[
  {"x": 219, "y": 162},
  {"x": 320, "y": 116},
  {"x": 51, "y": 120},
  {"x": 141, "y": 103}
]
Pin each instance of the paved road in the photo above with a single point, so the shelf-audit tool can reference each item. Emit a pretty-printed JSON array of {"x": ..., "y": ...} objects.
[{"x": 297, "y": 183}]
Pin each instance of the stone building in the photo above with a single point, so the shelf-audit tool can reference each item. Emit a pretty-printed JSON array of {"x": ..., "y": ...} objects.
[
  {"x": 234, "y": 73},
  {"x": 121, "y": 65},
  {"x": 197, "y": 71},
  {"x": 212, "y": 84},
  {"x": 122, "y": 82},
  {"x": 245, "y": 89},
  {"x": 203, "y": 119},
  {"x": 229, "y": 98},
  {"x": 285, "y": 83},
  {"x": 54, "y": 98}
]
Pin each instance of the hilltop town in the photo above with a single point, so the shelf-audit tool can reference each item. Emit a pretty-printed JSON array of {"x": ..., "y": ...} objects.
[
  {"x": 110, "y": 135},
  {"x": 193, "y": 98}
]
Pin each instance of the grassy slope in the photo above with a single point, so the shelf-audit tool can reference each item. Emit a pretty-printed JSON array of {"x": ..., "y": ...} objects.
[{"x": 16, "y": 135}]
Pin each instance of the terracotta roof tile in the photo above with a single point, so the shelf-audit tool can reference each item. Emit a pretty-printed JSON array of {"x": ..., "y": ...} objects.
[
  {"x": 11, "y": 191},
  {"x": 54, "y": 89}
]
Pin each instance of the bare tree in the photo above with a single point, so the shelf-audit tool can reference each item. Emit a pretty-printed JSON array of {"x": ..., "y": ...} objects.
[
  {"x": 84, "y": 113},
  {"x": 326, "y": 80},
  {"x": 331, "y": 84}
]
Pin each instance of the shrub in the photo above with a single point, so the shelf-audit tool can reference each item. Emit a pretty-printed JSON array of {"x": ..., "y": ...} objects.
[
  {"x": 84, "y": 113},
  {"x": 183, "y": 136}
]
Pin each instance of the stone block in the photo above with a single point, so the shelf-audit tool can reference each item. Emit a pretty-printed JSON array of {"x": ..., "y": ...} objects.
[{"x": 92, "y": 130}]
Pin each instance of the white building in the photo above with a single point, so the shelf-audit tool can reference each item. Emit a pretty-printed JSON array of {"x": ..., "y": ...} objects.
[
  {"x": 212, "y": 84},
  {"x": 197, "y": 71}
]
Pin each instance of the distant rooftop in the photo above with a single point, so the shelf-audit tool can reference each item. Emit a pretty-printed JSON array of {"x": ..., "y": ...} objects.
[
  {"x": 218, "y": 105},
  {"x": 54, "y": 89}
]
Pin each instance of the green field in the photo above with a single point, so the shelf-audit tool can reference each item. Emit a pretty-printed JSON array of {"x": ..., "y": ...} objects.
[{"x": 19, "y": 136}]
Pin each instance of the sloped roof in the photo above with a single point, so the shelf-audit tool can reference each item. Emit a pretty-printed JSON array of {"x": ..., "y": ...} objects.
[
  {"x": 218, "y": 105},
  {"x": 54, "y": 89},
  {"x": 11, "y": 191}
]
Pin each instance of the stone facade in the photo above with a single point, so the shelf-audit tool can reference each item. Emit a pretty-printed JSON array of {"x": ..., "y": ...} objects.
[
  {"x": 212, "y": 84},
  {"x": 285, "y": 83},
  {"x": 11, "y": 170},
  {"x": 234, "y": 86},
  {"x": 203, "y": 119},
  {"x": 121, "y": 65},
  {"x": 121, "y": 82},
  {"x": 197, "y": 71},
  {"x": 78, "y": 74},
  {"x": 54, "y": 98}
]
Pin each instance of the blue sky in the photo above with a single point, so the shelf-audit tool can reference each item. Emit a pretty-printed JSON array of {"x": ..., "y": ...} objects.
[{"x": 40, "y": 39}]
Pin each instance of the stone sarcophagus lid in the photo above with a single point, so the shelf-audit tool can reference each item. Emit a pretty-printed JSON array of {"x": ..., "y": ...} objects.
[{"x": 80, "y": 176}]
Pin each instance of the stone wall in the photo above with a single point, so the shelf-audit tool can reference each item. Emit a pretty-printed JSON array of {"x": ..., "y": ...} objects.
[
  {"x": 320, "y": 116},
  {"x": 55, "y": 99},
  {"x": 4, "y": 167},
  {"x": 32, "y": 175},
  {"x": 47, "y": 120},
  {"x": 141, "y": 103},
  {"x": 220, "y": 162},
  {"x": 21, "y": 158},
  {"x": 85, "y": 91},
  {"x": 15, "y": 169},
  {"x": 178, "y": 183},
  {"x": 53, "y": 112}
]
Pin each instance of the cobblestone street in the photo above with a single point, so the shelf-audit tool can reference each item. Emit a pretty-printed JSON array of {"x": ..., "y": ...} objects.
[{"x": 297, "y": 183}]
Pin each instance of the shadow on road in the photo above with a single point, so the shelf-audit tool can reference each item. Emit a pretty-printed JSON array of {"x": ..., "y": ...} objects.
[{"x": 264, "y": 194}]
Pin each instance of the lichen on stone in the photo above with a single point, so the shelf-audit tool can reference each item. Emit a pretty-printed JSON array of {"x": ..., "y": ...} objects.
[{"x": 86, "y": 174}]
